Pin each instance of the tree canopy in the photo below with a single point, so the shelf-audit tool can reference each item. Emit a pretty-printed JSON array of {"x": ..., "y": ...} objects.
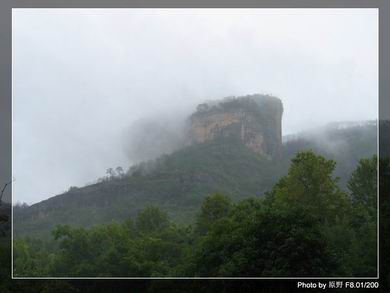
[{"x": 305, "y": 226}]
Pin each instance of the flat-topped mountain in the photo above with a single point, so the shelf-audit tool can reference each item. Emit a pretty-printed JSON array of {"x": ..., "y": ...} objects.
[
  {"x": 234, "y": 148},
  {"x": 255, "y": 120}
]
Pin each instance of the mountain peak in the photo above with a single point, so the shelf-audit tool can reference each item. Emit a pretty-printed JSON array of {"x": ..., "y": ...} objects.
[{"x": 255, "y": 120}]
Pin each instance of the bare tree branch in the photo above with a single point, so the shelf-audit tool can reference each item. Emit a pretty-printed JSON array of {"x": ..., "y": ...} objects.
[{"x": 2, "y": 191}]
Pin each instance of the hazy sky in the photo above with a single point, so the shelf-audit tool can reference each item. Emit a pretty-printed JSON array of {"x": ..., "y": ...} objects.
[{"x": 82, "y": 76}]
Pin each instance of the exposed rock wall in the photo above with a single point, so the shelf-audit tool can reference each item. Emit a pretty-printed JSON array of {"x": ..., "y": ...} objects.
[{"x": 256, "y": 120}]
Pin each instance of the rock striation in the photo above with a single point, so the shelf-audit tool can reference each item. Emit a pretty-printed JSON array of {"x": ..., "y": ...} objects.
[{"x": 255, "y": 120}]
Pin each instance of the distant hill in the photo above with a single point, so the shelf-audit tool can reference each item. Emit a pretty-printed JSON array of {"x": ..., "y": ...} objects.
[
  {"x": 344, "y": 142},
  {"x": 228, "y": 164},
  {"x": 178, "y": 182}
]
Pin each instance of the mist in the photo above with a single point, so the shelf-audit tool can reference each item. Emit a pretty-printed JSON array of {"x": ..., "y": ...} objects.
[
  {"x": 100, "y": 88},
  {"x": 155, "y": 135}
]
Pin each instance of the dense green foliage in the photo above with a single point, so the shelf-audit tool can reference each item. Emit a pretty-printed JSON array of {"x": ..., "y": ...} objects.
[
  {"x": 384, "y": 222},
  {"x": 363, "y": 183},
  {"x": 305, "y": 226}
]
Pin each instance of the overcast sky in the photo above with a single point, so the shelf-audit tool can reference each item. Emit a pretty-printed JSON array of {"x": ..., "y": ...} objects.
[{"x": 82, "y": 76}]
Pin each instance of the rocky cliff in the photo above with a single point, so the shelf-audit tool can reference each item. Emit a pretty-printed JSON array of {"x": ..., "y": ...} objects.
[{"x": 256, "y": 120}]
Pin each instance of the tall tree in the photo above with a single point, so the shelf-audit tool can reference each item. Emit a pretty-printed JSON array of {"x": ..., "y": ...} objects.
[
  {"x": 363, "y": 183},
  {"x": 214, "y": 207},
  {"x": 310, "y": 185},
  {"x": 151, "y": 219}
]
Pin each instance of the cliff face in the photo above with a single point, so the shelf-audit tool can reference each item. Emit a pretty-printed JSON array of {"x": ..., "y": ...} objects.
[{"x": 256, "y": 120}]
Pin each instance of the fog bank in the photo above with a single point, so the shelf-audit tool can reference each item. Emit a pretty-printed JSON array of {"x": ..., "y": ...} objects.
[{"x": 91, "y": 87}]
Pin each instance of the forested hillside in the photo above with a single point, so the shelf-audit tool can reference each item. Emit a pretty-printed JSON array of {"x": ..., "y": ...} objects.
[
  {"x": 305, "y": 226},
  {"x": 178, "y": 183},
  {"x": 346, "y": 143}
]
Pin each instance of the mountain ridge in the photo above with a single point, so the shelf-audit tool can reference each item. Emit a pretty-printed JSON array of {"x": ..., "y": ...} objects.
[{"x": 178, "y": 182}]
